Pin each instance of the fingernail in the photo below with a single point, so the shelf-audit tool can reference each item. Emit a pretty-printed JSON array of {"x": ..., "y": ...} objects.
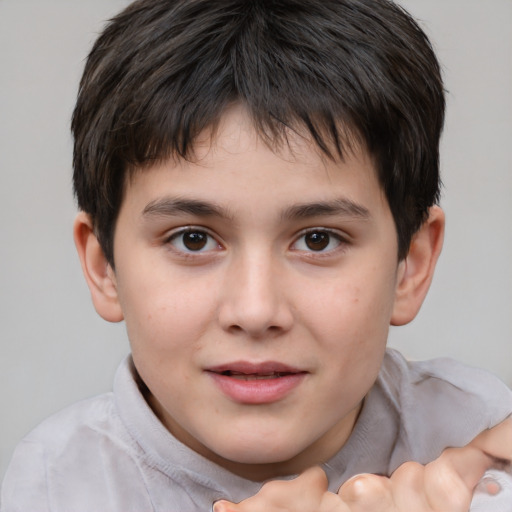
[{"x": 489, "y": 486}]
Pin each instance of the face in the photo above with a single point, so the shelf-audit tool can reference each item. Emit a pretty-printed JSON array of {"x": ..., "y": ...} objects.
[{"x": 257, "y": 288}]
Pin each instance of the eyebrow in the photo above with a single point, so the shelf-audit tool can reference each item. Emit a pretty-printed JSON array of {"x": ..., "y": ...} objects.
[
  {"x": 168, "y": 206},
  {"x": 342, "y": 206}
]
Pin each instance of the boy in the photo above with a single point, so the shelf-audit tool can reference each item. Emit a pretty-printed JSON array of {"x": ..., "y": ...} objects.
[{"x": 258, "y": 184}]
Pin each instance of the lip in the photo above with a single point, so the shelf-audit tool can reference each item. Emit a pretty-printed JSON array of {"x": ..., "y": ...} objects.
[{"x": 256, "y": 383}]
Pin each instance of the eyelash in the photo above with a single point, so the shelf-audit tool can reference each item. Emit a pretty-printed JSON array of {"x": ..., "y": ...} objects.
[
  {"x": 341, "y": 242},
  {"x": 177, "y": 237},
  {"x": 211, "y": 244}
]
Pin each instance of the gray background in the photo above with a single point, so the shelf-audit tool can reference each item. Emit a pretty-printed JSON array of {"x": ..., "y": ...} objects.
[{"x": 55, "y": 350}]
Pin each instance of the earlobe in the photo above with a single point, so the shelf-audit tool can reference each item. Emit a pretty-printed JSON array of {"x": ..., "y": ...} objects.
[
  {"x": 97, "y": 271},
  {"x": 415, "y": 273}
]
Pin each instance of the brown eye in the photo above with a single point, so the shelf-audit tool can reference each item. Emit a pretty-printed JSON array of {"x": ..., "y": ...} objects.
[
  {"x": 195, "y": 240},
  {"x": 317, "y": 240},
  {"x": 192, "y": 240}
]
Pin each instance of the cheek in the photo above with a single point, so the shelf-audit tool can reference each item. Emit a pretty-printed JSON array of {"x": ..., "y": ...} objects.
[
  {"x": 358, "y": 302},
  {"x": 350, "y": 318},
  {"x": 166, "y": 313}
]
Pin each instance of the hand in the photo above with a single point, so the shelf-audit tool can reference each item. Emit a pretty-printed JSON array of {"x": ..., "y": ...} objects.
[
  {"x": 445, "y": 484},
  {"x": 306, "y": 493},
  {"x": 497, "y": 441}
]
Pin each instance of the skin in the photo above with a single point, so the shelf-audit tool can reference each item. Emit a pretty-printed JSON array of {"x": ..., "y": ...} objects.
[
  {"x": 258, "y": 291},
  {"x": 445, "y": 484}
]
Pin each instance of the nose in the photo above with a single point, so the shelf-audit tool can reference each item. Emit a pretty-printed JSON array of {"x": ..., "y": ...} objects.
[{"x": 254, "y": 297}]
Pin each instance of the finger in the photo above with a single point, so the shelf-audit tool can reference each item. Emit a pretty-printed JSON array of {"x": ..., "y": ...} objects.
[
  {"x": 496, "y": 441},
  {"x": 225, "y": 506},
  {"x": 451, "y": 479},
  {"x": 409, "y": 489},
  {"x": 468, "y": 464},
  {"x": 307, "y": 487},
  {"x": 367, "y": 493},
  {"x": 314, "y": 476},
  {"x": 303, "y": 493},
  {"x": 333, "y": 503}
]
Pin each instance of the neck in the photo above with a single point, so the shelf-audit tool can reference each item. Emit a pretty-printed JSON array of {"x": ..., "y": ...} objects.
[{"x": 323, "y": 449}]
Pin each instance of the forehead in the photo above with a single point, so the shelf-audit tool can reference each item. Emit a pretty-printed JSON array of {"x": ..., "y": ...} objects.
[
  {"x": 237, "y": 130},
  {"x": 235, "y": 164}
]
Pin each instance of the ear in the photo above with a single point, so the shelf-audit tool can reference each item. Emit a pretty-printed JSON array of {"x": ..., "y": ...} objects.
[
  {"x": 416, "y": 271},
  {"x": 97, "y": 271}
]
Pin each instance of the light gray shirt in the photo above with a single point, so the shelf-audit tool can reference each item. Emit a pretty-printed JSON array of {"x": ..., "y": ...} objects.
[{"x": 112, "y": 454}]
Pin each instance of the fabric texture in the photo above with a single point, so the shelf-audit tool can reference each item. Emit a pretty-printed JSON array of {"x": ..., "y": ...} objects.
[{"x": 111, "y": 453}]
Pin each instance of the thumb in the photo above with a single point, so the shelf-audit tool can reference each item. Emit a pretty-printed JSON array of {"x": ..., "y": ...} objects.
[
  {"x": 496, "y": 441},
  {"x": 451, "y": 479}
]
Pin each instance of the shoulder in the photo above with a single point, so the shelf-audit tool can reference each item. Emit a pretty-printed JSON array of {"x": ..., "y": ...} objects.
[
  {"x": 442, "y": 402},
  {"x": 452, "y": 377},
  {"x": 101, "y": 454},
  {"x": 92, "y": 414},
  {"x": 78, "y": 425},
  {"x": 68, "y": 455}
]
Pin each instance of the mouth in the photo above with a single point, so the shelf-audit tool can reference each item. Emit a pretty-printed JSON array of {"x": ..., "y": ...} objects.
[
  {"x": 262, "y": 383},
  {"x": 265, "y": 370},
  {"x": 255, "y": 376}
]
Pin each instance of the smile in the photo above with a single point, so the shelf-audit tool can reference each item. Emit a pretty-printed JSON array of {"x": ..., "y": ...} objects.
[
  {"x": 248, "y": 383},
  {"x": 255, "y": 376}
]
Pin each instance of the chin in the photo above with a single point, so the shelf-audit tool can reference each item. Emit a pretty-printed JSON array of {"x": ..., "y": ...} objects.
[{"x": 258, "y": 453}]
